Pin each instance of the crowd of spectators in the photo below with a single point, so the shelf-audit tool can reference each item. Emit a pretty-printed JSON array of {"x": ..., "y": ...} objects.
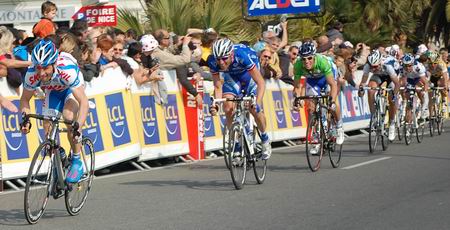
[{"x": 142, "y": 57}]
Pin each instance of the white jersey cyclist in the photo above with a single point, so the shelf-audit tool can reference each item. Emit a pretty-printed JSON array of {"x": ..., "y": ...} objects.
[{"x": 67, "y": 76}]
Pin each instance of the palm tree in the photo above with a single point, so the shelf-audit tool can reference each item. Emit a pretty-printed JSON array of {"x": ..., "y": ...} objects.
[{"x": 437, "y": 22}]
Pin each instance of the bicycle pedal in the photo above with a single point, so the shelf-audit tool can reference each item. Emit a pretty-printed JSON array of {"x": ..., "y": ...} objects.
[{"x": 58, "y": 193}]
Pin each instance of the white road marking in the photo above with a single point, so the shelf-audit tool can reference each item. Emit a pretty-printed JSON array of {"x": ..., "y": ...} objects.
[{"x": 366, "y": 163}]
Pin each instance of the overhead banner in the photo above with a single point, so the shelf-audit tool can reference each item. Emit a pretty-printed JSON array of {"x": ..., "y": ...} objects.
[{"x": 271, "y": 7}]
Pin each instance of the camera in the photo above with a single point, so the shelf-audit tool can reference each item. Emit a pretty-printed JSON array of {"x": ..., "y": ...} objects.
[
  {"x": 192, "y": 46},
  {"x": 153, "y": 63}
]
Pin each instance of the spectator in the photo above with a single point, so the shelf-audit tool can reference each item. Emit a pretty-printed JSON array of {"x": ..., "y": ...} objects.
[
  {"x": 167, "y": 59},
  {"x": 89, "y": 64},
  {"x": 106, "y": 60},
  {"x": 208, "y": 39},
  {"x": 266, "y": 69},
  {"x": 149, "y": 44},
  {"x": 119, "y": 35},
  {"x": 193, "y": 69},
  {"x": 140, "y": 74},
  {"x": 130, "y": 37},
  {"x": 362, "y": 52},
  {"x": 336, "y": 32},
  {"x": 287, "y": 61},
  {"x": 80, "y": 30},
  {"x": 7, "y": 61},
  {"x": 46, "y": 26},
  {"x": 118, "y": 49},
  {"x": 69, "y": 44}
]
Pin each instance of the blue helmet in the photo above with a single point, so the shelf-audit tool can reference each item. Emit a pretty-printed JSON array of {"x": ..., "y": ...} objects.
[
  {"x": 408, "y": 59},
  {"x": 307, "y": 49},
  {"x": 44, "y": 53}
]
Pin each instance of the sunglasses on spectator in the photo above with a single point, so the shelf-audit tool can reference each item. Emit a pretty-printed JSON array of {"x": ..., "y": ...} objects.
[
  {"x": 307, "y": 58},
  {"x": 222, "y": 58},
  {"x": 267, "y": 56},
  {"x": 295, "y": 54},
  {"x": 166, "y": 38},
  {"x": 116, "y": 49}
]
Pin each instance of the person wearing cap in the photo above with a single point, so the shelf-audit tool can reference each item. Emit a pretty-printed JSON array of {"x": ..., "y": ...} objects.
[{"x": 167, "y": 59}]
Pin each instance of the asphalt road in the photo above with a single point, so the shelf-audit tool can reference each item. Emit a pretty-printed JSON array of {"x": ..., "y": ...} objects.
[{"x": 406, "y": 187}]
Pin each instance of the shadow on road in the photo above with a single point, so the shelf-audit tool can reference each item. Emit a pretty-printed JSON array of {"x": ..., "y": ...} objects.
[
  {"x": 215, "y": 185},
  {"x": 16, "y": 217}
]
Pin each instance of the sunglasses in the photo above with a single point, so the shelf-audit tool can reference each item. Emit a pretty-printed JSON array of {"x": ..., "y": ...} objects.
[
  {"x": 222, "y": 58},
  {"x": 307, "y": 58},
  {"x": 166, "y": 38},
  {"x": 409, "y": 65},
  {"x": 374, "y": 66},
  {"x": 266, "y": 56},
  {"x": 295, "y": 54},
  {"x": 116, "y": 49}
]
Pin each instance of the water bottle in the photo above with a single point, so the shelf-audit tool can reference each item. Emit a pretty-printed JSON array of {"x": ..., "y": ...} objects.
[{"x": 62, "y": 154}]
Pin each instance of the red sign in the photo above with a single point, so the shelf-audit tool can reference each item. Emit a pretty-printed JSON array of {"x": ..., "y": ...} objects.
[
  {"x": 195, "y": 122},
  {"x": 104, "y": 15}
]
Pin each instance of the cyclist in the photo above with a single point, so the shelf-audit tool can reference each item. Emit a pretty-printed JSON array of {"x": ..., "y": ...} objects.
[
  {"x": 59, "y": 76},
  {"x": 415, "y": 74},
  {"x": 438, "y": 73},
  {"x": 240, "y": 67},
  {"x": 382, "y": 72},
  {"x": 318, "y": 72}
]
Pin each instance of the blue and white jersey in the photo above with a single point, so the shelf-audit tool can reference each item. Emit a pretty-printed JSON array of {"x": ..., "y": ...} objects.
[
  {"x": 244, "y": 60},
  {"x": 67, "y": 75},
  {"x": 418, "y": 71},
  {"x": 392, "y": 61}
]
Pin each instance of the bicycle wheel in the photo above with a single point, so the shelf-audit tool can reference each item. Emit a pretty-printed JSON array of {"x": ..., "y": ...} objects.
[
  {"x": 39, "y": 183},
  {"x": 226, "y": 146},
  {"x": 334, "y": 150},
  {"x": 407, "y": 133},
  {"x": 259, "y": 165},
  {"x": 384, "y": 132},
  {"x": 440, "y": 118},
  {"x": 237, "y": 159},
  {"x": 76, "y": 193},
  {"x": 314, "y": 143},
  {"x": 400, "y": 118},
  {"x": 373, "y": 132},
  {"x": 420, "y": 129},
  {"x": 431, "y": 125}
]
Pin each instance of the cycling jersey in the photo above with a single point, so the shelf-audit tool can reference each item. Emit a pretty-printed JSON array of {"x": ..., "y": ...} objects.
[
  {"x": 316, "y": 78},
  {"x": 322, "y": 67},
  {"x": 237, "y": 76},
  {"x": 392, "y": 61},
  {"x": 57, "y": 90},
  {"x": 438, "y": 71},
  {"x": 418, "y": 71}
]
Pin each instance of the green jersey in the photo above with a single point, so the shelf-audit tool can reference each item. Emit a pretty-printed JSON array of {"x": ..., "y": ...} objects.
[{"x": 321, "y": 68}]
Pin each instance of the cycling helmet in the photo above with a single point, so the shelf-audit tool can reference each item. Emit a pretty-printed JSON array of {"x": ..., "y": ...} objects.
[
  {"x": 44, "y": 53},
  {"x": 374, "y": 58},
  {"x": 149, "y": 43},
  {"x": 433, "y": 57},
  {"x": 394, "y": 50},
  {"x": 408, "y": 59},
  {"x": 307, "y": 49},
  {"x": 222, "y": 48}
]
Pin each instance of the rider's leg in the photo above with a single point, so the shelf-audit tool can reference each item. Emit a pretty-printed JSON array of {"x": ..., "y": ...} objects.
[
  {"x": 228, "y": 108},
  {"x": 76, "y": 170},
  {"x": 371, "y": 96}
]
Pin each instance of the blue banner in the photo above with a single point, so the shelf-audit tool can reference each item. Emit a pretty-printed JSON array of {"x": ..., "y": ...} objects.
[
  {"x": 173, "y": 125},
  {"x": 117, "y": 119},
  {"x": 279, "y": 109},
  {"x": 271, "y": 7},
  {"x": 149, "y": 120},
  {"x": 16, "y": 142},
  {"x": 93, "y": 130},
  {"x": 209, "y": 121}
]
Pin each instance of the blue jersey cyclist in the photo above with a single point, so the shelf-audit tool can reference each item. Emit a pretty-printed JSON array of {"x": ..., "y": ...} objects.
[
  {"x": 240, "y": 68},
  {"x": 59, "y": 76}
]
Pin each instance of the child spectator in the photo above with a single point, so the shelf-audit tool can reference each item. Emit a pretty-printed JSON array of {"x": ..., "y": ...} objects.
[
  {"x": 89, "y": 63},
  {"x": 46, "y": 26}
]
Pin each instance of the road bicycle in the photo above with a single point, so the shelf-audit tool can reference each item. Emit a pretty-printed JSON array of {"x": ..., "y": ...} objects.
[
  {"x": 47, "y": 173},
  {"x": 242, "y": 143},
  {"x": 321, "y": 132},
  {"x": 437, "y": 113},
  {"x": 378, "y": 126},
  {"x": 413, "y": 122}
]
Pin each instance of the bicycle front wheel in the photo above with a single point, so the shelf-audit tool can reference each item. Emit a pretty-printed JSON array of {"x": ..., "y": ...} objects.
[
  {"x": 407, "y": 133},
  {"x": 237, "y": 158},
  {"x": 314, "y": 143},
  {"x": 39, "y": 183},
  {"x": 334, "y": 149},
  {"x": 226, "y": 146},
  {"x": 373, "y": 132},
  {"x": 259, "y": 165},
  {"x": 384, "y": 125},
  {"x": 76, "y": 193}
]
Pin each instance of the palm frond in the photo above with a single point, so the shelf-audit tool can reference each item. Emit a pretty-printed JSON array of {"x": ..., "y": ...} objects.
[{"x": 127, "y": 19}]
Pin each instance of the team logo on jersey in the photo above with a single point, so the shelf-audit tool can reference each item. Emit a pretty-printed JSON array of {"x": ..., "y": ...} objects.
[
  {"x": 172, "y": 119},
  {"x": 209, "y": 121},
  {"x": 279, "y": 109},
  {"x": 92, "y": 129},
  {"x": 117, "y": 119},
  {"x": 16, "y": 142},
  {"x": 149, "y": 120},
  {"x": 295, "y": 115}
]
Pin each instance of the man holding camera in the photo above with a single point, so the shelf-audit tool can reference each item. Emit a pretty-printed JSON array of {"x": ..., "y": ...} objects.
[{"x": 168, "y": 60}]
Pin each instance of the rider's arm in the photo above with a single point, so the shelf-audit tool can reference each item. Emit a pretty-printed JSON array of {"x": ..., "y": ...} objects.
[
  {"x": 365, "y": 75},
  {"x": 394, "y": 77},
  {"x": 217, "y": 85},
  {"x": 333, "y": 85},
  {"x": 259, "y": 80},
  {"x": 284, "y": 39},
  {"x": 82, "y": 99},
  {"x": 25, "y": 101}
]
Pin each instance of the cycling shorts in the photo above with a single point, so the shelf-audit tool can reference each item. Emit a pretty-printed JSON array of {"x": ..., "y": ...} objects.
[
  {"x": 379, "y": 79},
  {"x": 413, "y": 81},
  {"x": 55, "y": 101},
  {"x": 315, "y": 85},
  {"x": 235, "y": 86}
]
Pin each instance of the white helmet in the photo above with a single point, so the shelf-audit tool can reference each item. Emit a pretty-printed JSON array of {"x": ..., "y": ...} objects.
[
  {"x": 149, "y": 43},
  {"x": 222, "y": 48},
  {"x": 374, "y": 58}
]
